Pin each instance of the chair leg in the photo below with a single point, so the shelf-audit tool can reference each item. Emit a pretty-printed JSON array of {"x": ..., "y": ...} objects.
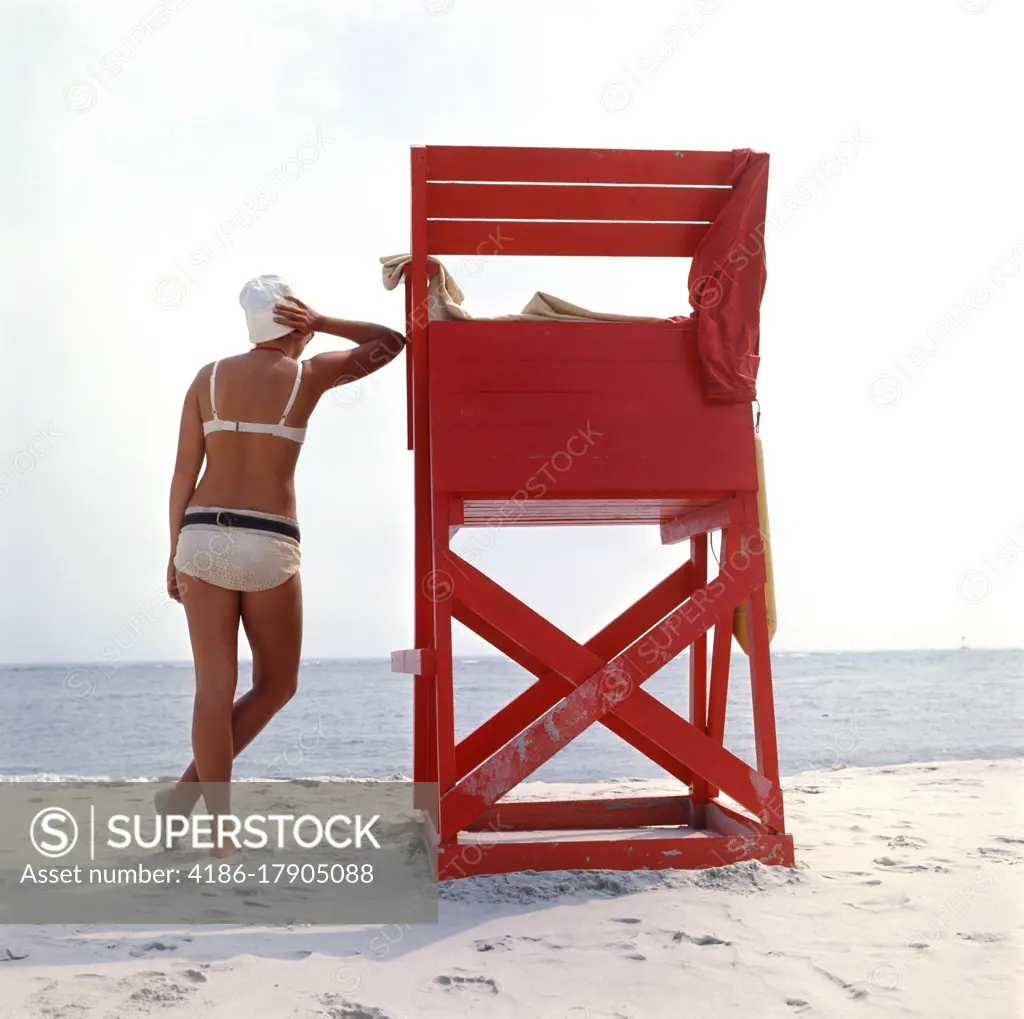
[
  {"x": 699, "y": 677},
  {"x": 718, "y": 695},
  {"x": 761, "y": 685},
  {"x": 442, "y": 591}
]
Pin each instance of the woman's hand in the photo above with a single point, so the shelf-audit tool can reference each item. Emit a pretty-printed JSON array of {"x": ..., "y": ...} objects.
[
  {"x": 298, "y": 316},
  {"x": 173, "y": 591}
]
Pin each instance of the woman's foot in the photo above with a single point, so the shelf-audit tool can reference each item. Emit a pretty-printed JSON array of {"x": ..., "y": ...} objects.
[
  {"x": 161, "y": 802},
  {"x": 163, "y": 805}
]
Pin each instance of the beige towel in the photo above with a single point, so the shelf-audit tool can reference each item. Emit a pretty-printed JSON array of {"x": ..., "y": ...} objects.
[
  {"x": 445, "y": 297},
  {"x": 546, "y": 307}
]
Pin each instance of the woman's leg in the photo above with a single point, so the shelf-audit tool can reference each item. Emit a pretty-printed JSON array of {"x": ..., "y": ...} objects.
[
  {"x": 213, "y": 613},
  {"x": 273, "y": 626}
]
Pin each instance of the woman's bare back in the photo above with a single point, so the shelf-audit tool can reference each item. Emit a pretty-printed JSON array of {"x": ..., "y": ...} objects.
[{"x": 247, "y": 470}]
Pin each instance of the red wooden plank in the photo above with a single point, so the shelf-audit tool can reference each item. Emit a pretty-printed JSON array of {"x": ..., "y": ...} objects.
[
  {"x": 424, "y": 686},
  {"x": 629, "y": 509},
  {"x": 593, "y": 166},
  {"x": 483, "y": 340},
  {"x": 493, "y": 370},
  {"x": 416, "y": 662},
  {"x": 700, "y": 521},
  {"x": 694, "y": 853},
  {"x": 487, "y": 238},
  {"x": 439, "y": 592},
  {"x": 524, "y": 477},
  {"x": 718, "y": 694},
  {"x": 409, "y": 437},
  {"x": 569, "y": 412},
  {"x": 761, "y": 686},
  {"x": 575, "y": 202},
  {"x": 620, "y": 812},
  {"x": 549, "y": 373},
  {"x": 699, "y": 670},
  {"x": 617, "y": 428}
]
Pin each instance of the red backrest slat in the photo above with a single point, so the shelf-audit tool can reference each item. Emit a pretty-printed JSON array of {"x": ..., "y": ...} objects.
[
  {"x": 488, "y": 238},
  {"x": 575, "y": 202},
  {"x": 576, "y": 166}
]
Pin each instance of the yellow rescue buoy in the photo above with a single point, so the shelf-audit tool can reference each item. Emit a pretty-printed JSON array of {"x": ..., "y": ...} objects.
[{"x": 739, "y": 626}]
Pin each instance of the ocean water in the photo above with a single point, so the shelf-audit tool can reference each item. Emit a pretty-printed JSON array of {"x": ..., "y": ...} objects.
[{"x": 354, "y": 717}]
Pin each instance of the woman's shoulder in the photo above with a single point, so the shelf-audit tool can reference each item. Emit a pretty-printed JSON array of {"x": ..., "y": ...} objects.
[{"x": 202, "y": 377}]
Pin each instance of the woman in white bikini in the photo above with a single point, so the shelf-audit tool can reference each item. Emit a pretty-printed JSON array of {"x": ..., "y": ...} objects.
[{"x": 234, "y": 537}]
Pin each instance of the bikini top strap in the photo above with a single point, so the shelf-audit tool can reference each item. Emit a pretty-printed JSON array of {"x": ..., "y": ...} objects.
[
  {"x": 213, "y": 381},
  {"x": 295, "y": 390}
]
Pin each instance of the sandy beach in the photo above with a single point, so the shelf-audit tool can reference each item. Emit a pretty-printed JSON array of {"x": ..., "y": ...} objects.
[{"x": 907, "y": 900}]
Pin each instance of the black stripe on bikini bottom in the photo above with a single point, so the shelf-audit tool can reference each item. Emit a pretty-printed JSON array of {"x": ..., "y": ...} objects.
[{"x": 228, "y": 518}]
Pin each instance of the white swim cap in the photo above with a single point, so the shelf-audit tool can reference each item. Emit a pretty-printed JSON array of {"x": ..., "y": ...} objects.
[{"x": 257, "y": 299}]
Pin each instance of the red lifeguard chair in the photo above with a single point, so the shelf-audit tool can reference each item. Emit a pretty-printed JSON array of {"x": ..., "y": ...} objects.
[{"x": 667, "y": 409}]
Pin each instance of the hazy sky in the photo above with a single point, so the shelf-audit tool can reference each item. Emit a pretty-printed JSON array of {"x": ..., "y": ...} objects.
[{"x": 274, "y": 138}]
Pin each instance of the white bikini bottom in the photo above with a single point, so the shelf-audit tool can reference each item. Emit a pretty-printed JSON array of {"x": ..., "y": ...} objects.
[{"x": 241, "y": 550}]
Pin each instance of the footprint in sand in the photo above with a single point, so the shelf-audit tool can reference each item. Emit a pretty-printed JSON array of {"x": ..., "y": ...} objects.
[
  {"x": 888, "y": 861},
  {"x": 334, "y": 1006},
  {"x": 152, "y": 946},
  {"x": 72, "y": 998},
  {"x": 490, "y": 944},
  {"x": 997, "y": 855},
  {"x": 454, "y": 982},
  {"x": 882, "y": 905},
  {"x": 983, "y": 936},
  {"x": 852, "y": 990},
  {"x": 906, "y": 842},
  {"x": 154, "y": 990},
  {"x": 547, "y": 941},
  {"x": 798, "y": 1003},
  {"x": 703, "y": 939}
]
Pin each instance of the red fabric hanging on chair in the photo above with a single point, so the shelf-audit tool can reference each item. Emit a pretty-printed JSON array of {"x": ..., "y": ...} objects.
[{"x": 726, "y": 284}]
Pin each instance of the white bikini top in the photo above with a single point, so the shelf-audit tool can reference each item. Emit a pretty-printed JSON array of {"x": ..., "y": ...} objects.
[{"x": 280, "y": 429}]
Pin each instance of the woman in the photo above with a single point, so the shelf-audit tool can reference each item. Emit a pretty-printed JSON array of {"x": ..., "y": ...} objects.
[{"x": 234, "y": 537}]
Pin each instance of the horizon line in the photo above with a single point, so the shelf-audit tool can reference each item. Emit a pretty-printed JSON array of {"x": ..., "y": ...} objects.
[{"x": 480, "y": 657}]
